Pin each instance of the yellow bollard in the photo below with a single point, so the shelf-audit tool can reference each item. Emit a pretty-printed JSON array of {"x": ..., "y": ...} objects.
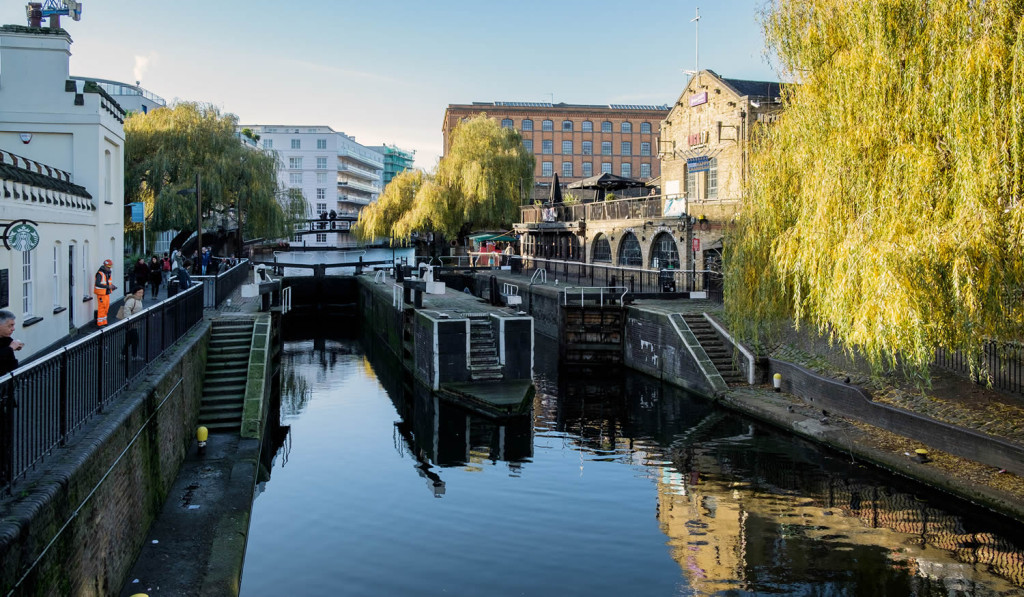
[
  {"x": 921, "y": 455},
  {"x": 202, "y": 434},
  {"x": 777, "y": 382}
]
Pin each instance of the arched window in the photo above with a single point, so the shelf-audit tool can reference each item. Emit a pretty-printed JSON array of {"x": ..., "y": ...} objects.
[
  {"x": 547, "y": 125},
  {"x": 626, "y": 127},
  {"x": 506, "y": 123},
  {"x": 567, "y": 126},
  {"x": 664, "y": 254},
  {"x": 587, "y": 126},
  {"x": 602, "y": 251},
  {"x": 606, "y": 126},
  {"x": 630, "y": 253},
  {"x": 527, "y": 124},
  {"x": 645, "y": 127}
]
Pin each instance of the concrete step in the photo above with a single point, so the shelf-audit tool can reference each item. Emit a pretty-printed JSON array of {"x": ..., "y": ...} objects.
[
  {"x": 236, "y": 367},
  {"x": 214, "y": 381},
  {"x": 222, "y": 427},
  {"x": 220, "y": 409},
  {"x": 486, "y": 376},
  {"x": 222, "y": 393},
  {"x": 234, "y": 400}
]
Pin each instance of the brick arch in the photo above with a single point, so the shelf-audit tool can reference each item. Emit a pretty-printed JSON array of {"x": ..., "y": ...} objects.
[
  {"x": 665, "y": 250},
  {"x": 601, "y": 247},
  {"x": 629, "y": 252}
]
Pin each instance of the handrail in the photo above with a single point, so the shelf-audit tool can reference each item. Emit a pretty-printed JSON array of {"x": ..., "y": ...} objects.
[
  {"x": 601, "y": 292},
  {"x": 379, "y": 275},
  {"x": 509, "y": 289},
  {"x": 539, "y": 273},
  {"x": 286, "y": 300}
]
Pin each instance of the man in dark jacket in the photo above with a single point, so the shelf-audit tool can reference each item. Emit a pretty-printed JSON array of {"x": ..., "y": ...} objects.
[
  {"x": 184, "y": 280},
  {"x": 8, "y": 362}
]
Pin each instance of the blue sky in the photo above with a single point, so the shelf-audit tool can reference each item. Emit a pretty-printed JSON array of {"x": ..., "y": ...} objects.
[{"x": 385, "y": 71}]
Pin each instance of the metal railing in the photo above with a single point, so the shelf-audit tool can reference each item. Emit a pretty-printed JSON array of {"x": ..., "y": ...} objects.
[
  {"x": 598, "y": 294},
  {"x": 42, "y": 404},
  {"x": 637, "y": 280},
  {"x": 1002, "y": 362},
  {"x": 650, "y": 206},
  {"x": 218, "y": 287}
]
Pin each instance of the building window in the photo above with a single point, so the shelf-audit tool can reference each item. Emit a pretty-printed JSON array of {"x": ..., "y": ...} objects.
[
  {"x": 588, "y": 148},
  {"x": 106, "y": 178},
  {"x": 645, "y": 127},
  {"x": 547, "y": 125},
  {"x": 87, "y": 281},
  {"x": 588, "y": 169},
  {"x": 321, "y": 163},
  {"x": 321, "y": 237},
  {"x": 527, "y": 124},
  {"x": 606, "y": 167},
  {"x": 268, "y": 144},
  {"x": 713, "y": 179},
  {"x": 56, "y": 275},
  {"x": 566, "y": 126},
  {"x": 506, "y": 123},
  {"x": 664, "y": 254},
  {"x": 528, "y": 145},
  {"x": 297, "y": 238},
  {"x": 295, "y": 163},
  {"x": 645, "y": 148},
  {"x": 606, "y": 147},
  {"x": 321, "y": 208},
  {"x": 691, "y": 185},
  {"x": 321, "y": 178},
  {"x": 546, "y": 168},
  {"x": 587, "y": 126},
  {"x": 322, "y": 195},
  {"x": 626, "y": 169},
  {"x": 645, "y": 170},
  {"x": 321, "y": 143},
  {"x": 295, "y": 177},
  {"x": 27, "y": 304},
  {"x": 606, "y": 126},
  {"x": 296, "y": 144},
  {"x": 547, "y": 146},
  {"x": 566, "y": 169},
  {"x": 626, "y": 127},
  {"x": 629, "y": 251},
  {"x": 566, "y": 147},
  {"x": 626, "y": 148},
  {"x": 602, "y": 250}
]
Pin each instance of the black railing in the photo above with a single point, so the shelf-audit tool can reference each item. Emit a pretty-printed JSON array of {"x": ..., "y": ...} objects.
[
  {"x": 1001, "y": 362},
  {"x": 45, "y": 402},
  {"x": 220, "y": 286},
  {"x": 637, "y": 280}
]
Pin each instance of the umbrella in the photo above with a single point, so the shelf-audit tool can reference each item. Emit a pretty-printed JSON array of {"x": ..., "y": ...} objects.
[{"x": 556, "y": 191}]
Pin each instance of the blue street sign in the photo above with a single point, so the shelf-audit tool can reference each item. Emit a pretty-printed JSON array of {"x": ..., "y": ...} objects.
[{"x": 138, "y": 211}]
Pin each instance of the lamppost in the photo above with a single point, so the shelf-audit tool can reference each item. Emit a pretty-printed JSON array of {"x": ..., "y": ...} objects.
[{"x": 199, "y": 211}]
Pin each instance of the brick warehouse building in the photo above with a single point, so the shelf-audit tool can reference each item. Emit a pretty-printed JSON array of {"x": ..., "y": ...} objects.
[{"x": 576, "y": 141}]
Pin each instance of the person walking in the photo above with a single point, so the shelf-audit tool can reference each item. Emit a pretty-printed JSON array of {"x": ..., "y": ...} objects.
[
  {"x": 165, "y": 269},
  {"x": 132, "y": 305},
  {"x": 155, "y": 275},
  {"x": 184, "y": 280},
  {"x": 207, "y": 254},
  {"x": 140, "y": 273},
  {"x": 8, "y": 362},
  {"x": 102, "y": 289}
]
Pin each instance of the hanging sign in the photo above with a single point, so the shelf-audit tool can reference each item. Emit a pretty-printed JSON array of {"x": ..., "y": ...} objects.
[
  {"x": 138, "y": 211},
  {"x": 696, "y": 245},
  {"x": 698, "y": 164},
  {"x": 21, "y": 235}
]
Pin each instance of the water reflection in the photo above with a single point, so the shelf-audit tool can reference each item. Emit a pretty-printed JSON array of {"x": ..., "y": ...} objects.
[{"x": 614, "y": 484}]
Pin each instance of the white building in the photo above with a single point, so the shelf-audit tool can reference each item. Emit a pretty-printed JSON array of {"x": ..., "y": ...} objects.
[
  {"x": 131, "y": 98},
  {"x": 62, "y": 168},
  {"x": 333, "y": 171}
]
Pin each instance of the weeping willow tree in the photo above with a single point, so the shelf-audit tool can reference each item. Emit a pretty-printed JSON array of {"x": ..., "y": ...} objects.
[
  {"x": 477, "y": 183},
  {"x": 884, "y": 207},
  {"x": 164, "y": 150}
]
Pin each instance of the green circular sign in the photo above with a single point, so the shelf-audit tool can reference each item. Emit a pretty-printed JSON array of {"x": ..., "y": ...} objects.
[{"x": 23, "y": 237}]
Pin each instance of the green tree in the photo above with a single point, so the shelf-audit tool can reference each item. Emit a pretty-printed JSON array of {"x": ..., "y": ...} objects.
[
  {"x": 884, "y": 207},
  {"x": 478, "y": 183},
  {"x": 164, "y": 150},
  {"x": 379, "y": 219}
]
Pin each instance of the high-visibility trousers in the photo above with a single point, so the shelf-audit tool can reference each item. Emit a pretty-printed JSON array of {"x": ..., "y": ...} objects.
[{"x": 102, "y": 306}]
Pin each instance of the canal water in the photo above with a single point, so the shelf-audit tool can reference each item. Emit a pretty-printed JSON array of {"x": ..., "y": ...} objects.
[{"x": 610, "y": 486}]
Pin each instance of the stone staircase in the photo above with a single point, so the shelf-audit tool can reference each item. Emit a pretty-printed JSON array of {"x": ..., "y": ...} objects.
[
  {"x": 227, "y": 366},
  {"x": 716, "y": 350},
  {"x": 483, "y": 351}
]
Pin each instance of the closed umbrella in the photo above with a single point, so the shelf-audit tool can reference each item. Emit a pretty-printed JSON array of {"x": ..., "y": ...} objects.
[{"x": 556, "y": 191}]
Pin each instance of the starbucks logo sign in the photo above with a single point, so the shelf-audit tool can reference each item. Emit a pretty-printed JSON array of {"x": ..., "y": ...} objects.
[{"x": 21, "y": 235}]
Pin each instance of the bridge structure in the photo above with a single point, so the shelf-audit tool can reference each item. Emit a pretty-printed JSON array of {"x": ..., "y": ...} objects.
[{"x": 339, "y": 223}]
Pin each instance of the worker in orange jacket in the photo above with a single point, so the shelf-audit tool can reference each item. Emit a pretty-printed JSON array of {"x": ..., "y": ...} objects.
[{"x": 103, "y": 289}]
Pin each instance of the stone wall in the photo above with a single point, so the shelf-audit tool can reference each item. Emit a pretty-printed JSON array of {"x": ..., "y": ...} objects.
[
  {"x": 652, "y": 346},
  {"x": 95, "y": 497},
  {"x": 845, "y": 399}
]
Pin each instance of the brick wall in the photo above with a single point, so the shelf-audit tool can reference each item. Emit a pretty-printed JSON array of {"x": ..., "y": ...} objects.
[{"x": 139, "y": 444}]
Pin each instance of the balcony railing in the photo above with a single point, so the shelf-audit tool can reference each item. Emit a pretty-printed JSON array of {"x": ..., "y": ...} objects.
[{"x": 653, "y": 206}]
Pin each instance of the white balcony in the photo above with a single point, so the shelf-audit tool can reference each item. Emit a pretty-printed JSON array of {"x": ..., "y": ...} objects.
[
  {"x": 344, "y": 185},
  {"x": 370, "y": 158}
]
